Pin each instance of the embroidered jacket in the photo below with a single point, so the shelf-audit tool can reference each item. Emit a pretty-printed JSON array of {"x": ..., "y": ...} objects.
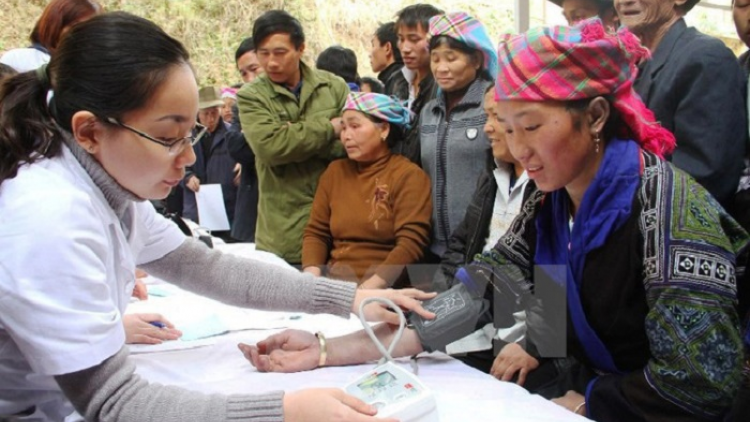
[{"x": 660, "y": 293}]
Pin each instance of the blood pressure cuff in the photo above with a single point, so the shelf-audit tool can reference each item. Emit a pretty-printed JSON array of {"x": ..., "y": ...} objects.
[{"x": 457, "y": 311}]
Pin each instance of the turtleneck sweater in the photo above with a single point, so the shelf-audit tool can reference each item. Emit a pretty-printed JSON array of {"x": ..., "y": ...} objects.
[
  {"x": 112, "y": 391},
  {"x": 368, "y": 218}
]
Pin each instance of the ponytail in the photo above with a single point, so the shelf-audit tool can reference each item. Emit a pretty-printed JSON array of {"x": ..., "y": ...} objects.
[
  {"x": 111, "y": 64},
  {"x": 27, "y": 128}
]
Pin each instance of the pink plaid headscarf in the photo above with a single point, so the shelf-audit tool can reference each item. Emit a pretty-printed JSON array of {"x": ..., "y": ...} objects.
[
  {"x": 229, "y": 93},
  {"x": 564, "y": 63}
]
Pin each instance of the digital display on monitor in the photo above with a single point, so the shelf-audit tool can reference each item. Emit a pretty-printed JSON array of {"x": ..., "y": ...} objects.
[{"x": 377, "y": 383}]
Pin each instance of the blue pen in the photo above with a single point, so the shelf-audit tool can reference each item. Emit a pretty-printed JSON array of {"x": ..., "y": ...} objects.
[{"x": 157, "y": 324}]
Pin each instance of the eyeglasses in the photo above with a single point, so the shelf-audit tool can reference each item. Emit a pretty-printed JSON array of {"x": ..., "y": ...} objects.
[{"x": 174, "y": 147}]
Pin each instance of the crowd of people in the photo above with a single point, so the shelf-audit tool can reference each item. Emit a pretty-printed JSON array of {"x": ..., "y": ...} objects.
[{"x": 605, "y": 163}]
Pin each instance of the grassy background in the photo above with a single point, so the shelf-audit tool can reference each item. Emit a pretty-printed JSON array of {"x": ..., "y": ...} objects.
[{"x": 212, "y": 29}]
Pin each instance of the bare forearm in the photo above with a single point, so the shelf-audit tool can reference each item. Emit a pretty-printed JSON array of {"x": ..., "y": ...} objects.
[{"x": 357, "y": 347}]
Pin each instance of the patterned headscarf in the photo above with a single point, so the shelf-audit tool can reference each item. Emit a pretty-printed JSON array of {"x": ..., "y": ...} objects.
[
  {"x": 465, "y": 29},
  {"x": 564, "y": 63},
  {"x": 229, "y": 93},
  {"x": 381, "y": 106}
]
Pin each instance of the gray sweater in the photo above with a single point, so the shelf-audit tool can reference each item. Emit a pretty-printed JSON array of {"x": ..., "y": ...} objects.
[
  {"x": 455, "y": 152},
  {"x": 111, "y": 391}
]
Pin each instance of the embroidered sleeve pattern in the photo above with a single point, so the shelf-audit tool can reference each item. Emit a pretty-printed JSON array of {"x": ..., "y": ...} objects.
[{"x": 690, "y": 282}]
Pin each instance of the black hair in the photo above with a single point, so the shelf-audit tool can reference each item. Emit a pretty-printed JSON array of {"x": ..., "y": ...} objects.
[
  {"x": 417, "y": 15},
  {"x": 473, "y": 53},
  {"x": 247, "y": 45},
  {"x": 395, "y": 134},
  {"x": 275, "y": 22},
  {"x": 605, "y": 7},
  {"x": 340, "y": 61},
  {"x": 108, "y": 65},
  {"x": 6, "y": 71},
  {"x": 688, "y": 6},
  {"x": 376, "y": 86},
  {"x": 386, "y": 33}
]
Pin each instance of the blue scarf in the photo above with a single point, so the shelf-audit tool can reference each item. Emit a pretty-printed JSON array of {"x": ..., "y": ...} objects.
[
  {"x": 353, "y": 87},
  {"x": 606, "y": 206},
  {"x": 37, "y": 46}
]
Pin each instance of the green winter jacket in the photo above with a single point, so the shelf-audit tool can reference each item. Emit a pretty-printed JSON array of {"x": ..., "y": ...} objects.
[{"x": 293, "y": 141}]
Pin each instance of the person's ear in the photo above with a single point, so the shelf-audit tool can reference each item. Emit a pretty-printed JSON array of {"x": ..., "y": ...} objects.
[
  {"x": 598, "y": 113},
  {"x": 478, "y": 59},
  {"x": 87, "y": 131},
  {"x": 385, "y": 130},
  {"x": 301, "y": 48},
  {"x": 388, "y": 48}
]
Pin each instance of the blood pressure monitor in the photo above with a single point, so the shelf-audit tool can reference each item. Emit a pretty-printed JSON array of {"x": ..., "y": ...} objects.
[
  {"x": 397, "y": 393},
  {"x": 394, "y": 391}
]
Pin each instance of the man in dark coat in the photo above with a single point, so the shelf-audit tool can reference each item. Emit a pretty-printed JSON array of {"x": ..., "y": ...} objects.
[
  {"x": 695, "y": 87},
  {"x": 246, "y": 210},
  {"x": 213, "y": 164},
  {"x": 385, "y": 58}
]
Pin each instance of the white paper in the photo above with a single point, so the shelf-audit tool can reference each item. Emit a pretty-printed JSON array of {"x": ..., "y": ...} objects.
[
  {"x": 211, "y": 211},
  {"x": 474, "y": 342}
]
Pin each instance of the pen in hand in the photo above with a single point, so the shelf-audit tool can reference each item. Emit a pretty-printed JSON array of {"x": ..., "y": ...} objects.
[{"x": 148, "y": 329}]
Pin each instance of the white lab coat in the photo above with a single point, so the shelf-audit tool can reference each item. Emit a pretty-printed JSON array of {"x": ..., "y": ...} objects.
[
  {"x": 25, "y": 59},
  {"x": 66, "y": 275}
]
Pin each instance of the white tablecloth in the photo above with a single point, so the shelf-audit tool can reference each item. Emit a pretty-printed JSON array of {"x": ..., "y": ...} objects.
[{"x": 462, "y": 393}]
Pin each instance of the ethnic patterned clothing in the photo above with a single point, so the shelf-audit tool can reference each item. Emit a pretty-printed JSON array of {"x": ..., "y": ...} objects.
[
  {"x": 368, "y": 218},
  {"x": 659, "y": 293},
  {"x": 584, "y": 61}
]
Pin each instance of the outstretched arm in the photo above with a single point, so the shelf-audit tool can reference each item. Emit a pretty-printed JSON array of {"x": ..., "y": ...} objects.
[{"x": 295, "y": 351}]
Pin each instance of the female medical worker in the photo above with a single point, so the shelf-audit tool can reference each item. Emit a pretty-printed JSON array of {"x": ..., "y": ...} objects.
[{"x": 75, "y": 169}]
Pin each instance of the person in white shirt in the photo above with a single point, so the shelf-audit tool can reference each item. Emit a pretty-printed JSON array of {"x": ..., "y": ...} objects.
[
  {"x": 56, "y": 20},
  {"x": 76, "y": 171}
]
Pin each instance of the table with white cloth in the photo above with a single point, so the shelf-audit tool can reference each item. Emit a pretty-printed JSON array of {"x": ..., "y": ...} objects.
[{"x": 215, "y": 365}]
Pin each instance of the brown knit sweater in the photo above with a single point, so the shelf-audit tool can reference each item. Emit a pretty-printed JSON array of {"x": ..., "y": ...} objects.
[{"x": 368, "y": 219}]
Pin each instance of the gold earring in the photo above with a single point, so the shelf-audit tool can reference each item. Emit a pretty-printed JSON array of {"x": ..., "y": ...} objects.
[{"x": 91, "y": 149}]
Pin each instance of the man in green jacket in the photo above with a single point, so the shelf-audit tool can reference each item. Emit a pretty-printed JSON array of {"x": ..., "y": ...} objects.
[{"x": 290, "y": 117}]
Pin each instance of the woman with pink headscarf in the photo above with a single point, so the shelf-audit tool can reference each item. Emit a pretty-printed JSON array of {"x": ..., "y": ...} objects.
[{"x": 625, "y": 265}]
